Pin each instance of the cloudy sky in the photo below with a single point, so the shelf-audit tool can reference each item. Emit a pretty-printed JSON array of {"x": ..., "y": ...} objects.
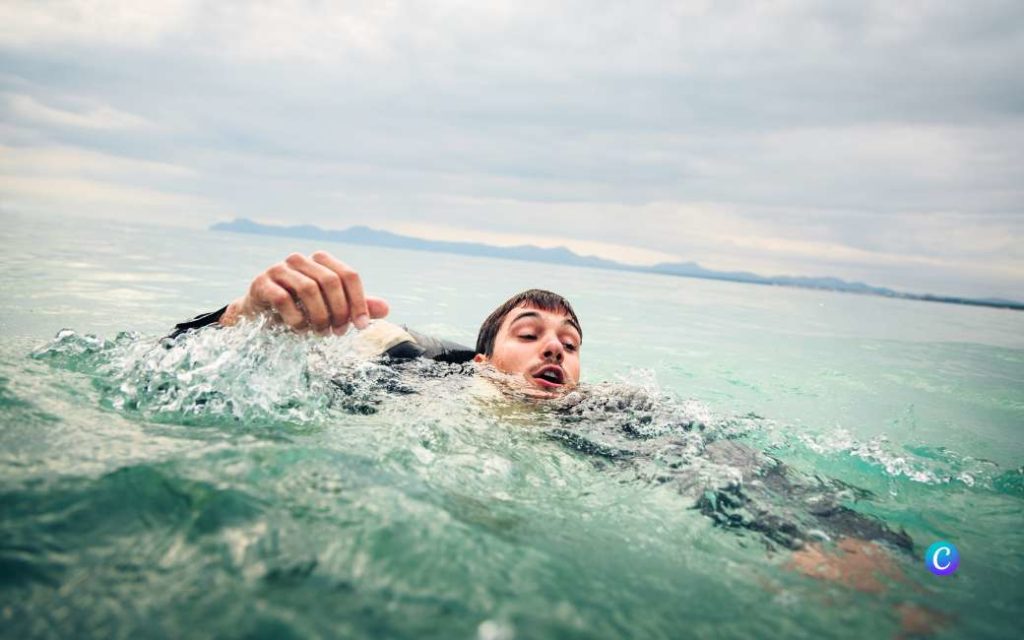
[{"x": 877, "y": 141}]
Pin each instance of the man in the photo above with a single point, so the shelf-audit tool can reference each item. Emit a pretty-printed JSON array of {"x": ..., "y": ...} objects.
[{"x": 535, "y": 334}]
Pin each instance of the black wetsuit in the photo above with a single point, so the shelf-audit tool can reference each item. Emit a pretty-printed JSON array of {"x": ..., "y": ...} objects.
[
  {"x": 421, "y": 346},
  {"x": 637, "y": 433},
  {"x": 643, "y": 436}
]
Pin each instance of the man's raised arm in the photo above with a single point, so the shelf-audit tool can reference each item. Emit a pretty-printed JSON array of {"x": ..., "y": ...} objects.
[{"x": 318, "y": 292}]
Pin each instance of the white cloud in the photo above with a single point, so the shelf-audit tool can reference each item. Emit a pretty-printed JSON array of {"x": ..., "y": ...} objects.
[
  {"x": 118, "y": 23},
  {"x": 64, "y": 161},
  {"x": 98, "y": 199},
  {"x": 81, "y": 182},
  {"x": 91, "y": 116}
]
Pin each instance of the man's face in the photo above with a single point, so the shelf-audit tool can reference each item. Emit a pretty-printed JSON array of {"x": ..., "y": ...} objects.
[{"x": 543, "y": 346}]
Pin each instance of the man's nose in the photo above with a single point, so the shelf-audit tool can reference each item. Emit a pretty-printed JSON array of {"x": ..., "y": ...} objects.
[{"x": 553, "y": 350}]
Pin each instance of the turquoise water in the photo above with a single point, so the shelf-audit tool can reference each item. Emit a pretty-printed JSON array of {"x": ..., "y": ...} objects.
[{"x": 228, "y": 487}]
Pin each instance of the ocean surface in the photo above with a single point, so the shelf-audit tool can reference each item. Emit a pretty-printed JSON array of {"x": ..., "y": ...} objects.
[{"x": 255, "y": 483}]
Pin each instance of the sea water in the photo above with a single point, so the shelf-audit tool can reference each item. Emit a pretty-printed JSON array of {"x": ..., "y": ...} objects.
[{"x": 255, "y": 483}]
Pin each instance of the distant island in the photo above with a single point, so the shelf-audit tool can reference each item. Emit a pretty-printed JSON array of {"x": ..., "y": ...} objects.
[{"x": 366, "y": 236}]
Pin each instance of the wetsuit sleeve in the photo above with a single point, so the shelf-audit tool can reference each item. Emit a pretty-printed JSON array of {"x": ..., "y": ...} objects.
[
  {"x": 398, "y": 343},
  {"x": 424, "y": 346},
  {"x": 198, "y": 322}
]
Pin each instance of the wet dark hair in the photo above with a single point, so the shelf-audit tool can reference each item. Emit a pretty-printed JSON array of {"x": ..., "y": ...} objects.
[{"x": 537, "y": 298}]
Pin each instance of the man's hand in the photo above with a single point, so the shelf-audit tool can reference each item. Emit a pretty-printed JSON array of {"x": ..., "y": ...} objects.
[{"x": 319, "y": 292}]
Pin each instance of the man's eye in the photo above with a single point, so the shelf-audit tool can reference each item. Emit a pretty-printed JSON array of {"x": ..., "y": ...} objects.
[
  {"x": 528, "y": 336},
  {"x": 570, "y": 346}
]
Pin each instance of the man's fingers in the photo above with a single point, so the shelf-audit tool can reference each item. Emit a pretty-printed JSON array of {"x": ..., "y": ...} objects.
[
  {"x": 280, "y": 300},
  {"x": 320, "y": 291},
  {"x": 330, "y": 286},
  {"x": 307, "y": 290},
  {"x": 353, "y": 285}
]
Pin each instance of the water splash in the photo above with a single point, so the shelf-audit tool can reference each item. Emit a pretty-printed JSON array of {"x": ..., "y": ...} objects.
[
  {"x": 917, "y": 463},
  {"x": 248, "y": 373},
  {"x": 260, "y": 374}
]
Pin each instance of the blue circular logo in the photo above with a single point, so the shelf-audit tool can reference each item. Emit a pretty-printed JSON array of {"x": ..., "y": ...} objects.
[{"x": 942, "y": 558}]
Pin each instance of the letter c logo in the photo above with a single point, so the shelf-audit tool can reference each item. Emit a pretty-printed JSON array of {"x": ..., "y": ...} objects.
[{"x": 942, "y": 558}]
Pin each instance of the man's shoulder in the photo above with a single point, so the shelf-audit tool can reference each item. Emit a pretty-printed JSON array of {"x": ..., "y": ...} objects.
[{"x": 401, "y": 343}]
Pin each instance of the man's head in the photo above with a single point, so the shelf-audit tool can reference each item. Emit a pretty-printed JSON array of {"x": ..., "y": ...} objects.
[{"x": 536, "y": 334}]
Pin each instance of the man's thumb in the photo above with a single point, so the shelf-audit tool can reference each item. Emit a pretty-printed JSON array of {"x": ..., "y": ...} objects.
[{"x": 378, "y": 307}]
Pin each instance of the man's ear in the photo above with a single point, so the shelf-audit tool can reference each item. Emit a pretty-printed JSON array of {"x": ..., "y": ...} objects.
[{"x": 479, "y": 358}]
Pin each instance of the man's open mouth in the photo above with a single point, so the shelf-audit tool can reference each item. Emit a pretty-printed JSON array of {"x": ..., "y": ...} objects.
[{"x": 549, "y": 376}]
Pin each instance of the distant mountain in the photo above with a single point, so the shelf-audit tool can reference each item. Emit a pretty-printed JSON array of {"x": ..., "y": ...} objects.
[
  {"x": 372, "y": 237},
  {"x": 366, "y": 236},
  {"x": 694, "y": 270}
]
